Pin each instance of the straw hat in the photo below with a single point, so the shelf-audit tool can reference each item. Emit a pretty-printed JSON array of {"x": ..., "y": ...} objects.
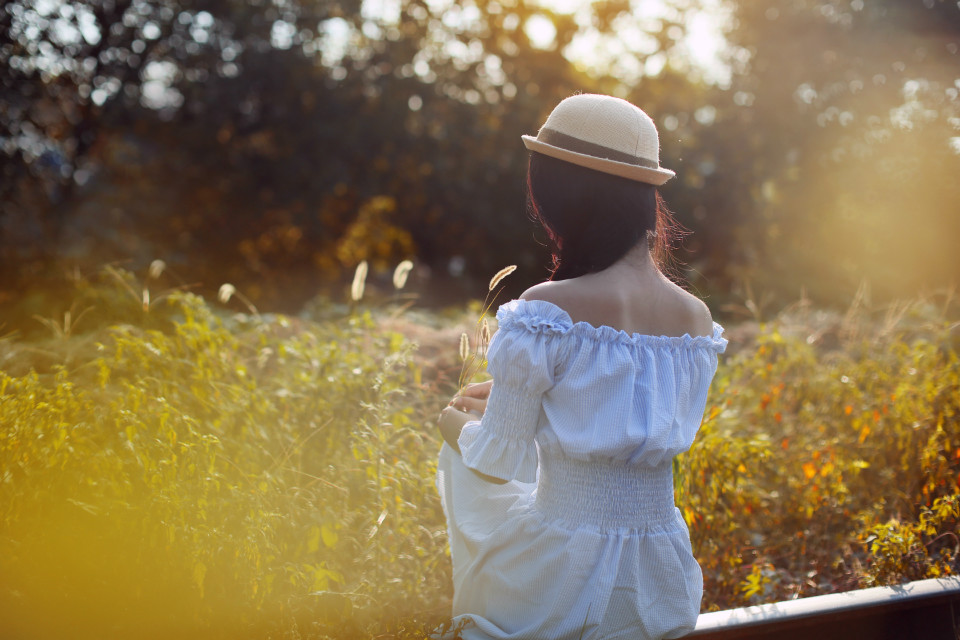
[{"x": 602, "y": 133}]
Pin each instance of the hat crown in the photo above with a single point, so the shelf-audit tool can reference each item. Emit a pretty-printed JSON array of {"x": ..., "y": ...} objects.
[
  {"x": 608, "y": 122},
  {"x": 605, "y": 134}
]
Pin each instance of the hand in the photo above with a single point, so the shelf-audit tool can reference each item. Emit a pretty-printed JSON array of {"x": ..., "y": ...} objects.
[
  {"x": 451, "y": 424},
  {"x": 473, "y": 398},
  {"x": 478, "y": 389}
]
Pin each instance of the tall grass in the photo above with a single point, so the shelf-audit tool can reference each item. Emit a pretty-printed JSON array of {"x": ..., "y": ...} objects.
[
  {"x": 173, "y": 470},
  {"x": 827, "y": 442},
  {"x": 220, "y": 478}
]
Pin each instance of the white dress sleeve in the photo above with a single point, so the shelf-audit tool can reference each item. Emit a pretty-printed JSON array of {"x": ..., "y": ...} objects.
[{"x": 522, "y": 359}]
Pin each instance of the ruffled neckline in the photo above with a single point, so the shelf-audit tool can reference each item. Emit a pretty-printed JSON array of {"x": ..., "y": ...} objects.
[{"x": 541, "y": 316}]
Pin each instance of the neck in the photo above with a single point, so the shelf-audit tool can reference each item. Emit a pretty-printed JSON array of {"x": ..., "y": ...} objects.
[{"x": 637, "y": 259}]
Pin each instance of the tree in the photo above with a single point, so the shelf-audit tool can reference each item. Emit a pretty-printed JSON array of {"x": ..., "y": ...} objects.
[
  {"x": 840, "y": 140},
  {"x": 259, "y": 136}
]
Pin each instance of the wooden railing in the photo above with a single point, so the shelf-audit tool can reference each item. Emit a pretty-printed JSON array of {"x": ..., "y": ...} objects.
[{"x": 923, "y": 610}]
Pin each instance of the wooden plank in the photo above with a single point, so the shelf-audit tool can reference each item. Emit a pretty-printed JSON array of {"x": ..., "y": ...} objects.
[{"x": 926, "y": 609}]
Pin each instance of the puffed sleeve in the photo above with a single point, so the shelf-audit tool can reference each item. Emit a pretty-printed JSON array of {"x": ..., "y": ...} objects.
[{"x": 522, "y": 359}]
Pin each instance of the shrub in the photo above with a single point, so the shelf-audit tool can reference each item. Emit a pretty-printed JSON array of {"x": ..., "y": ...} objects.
[
  {"x": 819, "y": 430},
  {"x": 169, "y": 470},
  {"x": 220, "y": 479}
]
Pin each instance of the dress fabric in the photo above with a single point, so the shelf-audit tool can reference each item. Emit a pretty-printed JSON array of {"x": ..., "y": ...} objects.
[{"x": 584, "y": 541}]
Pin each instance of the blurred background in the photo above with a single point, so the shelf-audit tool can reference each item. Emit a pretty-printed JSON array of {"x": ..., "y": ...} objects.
[
  {"x": 275, "y": 144},
  {"x": 176, "y": 470}
]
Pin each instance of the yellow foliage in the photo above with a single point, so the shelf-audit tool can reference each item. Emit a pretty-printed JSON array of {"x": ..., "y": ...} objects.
[
  {"x": 864, "y": 432},
  {"x": 245, "y": 474},
  {"x": 182, "y": 477}
]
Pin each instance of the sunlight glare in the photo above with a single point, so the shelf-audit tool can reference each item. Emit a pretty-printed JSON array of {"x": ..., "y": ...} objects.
[
  {"x": 385, "y": 10},
  {"x": 565, "y": 7},
  {"x": 704, "y": 42},
  {"x": 700, "y": 49},
  {"x": 628, "y": 53},
  {"x": 540, "y": 30}
]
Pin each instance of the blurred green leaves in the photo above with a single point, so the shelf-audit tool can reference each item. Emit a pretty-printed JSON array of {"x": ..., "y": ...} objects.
[{"x": 213, "y": 478}]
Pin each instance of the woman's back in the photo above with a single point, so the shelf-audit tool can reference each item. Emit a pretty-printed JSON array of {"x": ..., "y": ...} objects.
[{"x": 630, "y": 296}]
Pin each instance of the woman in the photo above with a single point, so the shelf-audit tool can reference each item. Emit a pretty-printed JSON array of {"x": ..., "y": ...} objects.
[{"x": 559, "y": 500}]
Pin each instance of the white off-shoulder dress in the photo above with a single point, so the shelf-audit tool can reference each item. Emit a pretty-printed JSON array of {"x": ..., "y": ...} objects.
[{"x": 585, "y": 540}]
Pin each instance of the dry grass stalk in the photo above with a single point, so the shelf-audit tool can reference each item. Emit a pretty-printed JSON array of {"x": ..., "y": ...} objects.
[
  {"x": 400, "y": 274},
  {"x": 477, "y": 360},
  {"x": 228, "y": 291},
  {"x": 359, "y": 281},
  {"x": 500, "y": 275},
  {"x": 157, "y": 267}
]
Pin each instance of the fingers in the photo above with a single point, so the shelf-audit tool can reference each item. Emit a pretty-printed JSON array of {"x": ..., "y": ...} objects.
[
  {"x": 473, "y": 398},
  {"x": 477, "y": 389},
  {"x": 451, "y": 413},
  {"x": 470, "y": 405}
]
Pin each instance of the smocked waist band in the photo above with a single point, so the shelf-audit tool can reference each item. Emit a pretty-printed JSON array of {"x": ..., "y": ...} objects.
[{"x": 605, "y": 494}]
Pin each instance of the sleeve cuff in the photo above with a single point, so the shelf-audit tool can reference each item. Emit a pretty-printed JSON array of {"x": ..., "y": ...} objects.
[{"x": 496, "y": 455}]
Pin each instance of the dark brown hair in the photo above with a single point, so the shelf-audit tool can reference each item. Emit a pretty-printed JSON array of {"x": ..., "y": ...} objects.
[{"x": 592, "y": 218}]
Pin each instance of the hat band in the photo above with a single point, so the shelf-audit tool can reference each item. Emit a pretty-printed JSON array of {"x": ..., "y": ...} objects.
[{"x": 568, "y": 142}]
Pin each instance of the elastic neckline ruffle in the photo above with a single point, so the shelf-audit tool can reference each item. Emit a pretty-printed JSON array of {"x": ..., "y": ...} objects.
[{"x": 541, "y": 316}]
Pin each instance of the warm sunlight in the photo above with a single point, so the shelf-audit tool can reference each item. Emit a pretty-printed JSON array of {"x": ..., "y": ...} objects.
[
  {"x": 629, "y": 53},
  {"x": 700, "y": 48}
]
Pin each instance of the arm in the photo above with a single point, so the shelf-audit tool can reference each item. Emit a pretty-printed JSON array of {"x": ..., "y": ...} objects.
[
  {"x": 467, "y": 405},
  {"x": 503, "y": 444},
  {"x": 450, "y": 425}
]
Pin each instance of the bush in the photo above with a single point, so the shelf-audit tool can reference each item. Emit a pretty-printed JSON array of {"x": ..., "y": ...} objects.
[
  {"x": 169, "y": 470},
  {"x": 819, "y": 431},
  {"x": 220, "y": 479}
]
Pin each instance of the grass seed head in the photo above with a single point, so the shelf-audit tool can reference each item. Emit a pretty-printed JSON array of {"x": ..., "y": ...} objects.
[
  {"x": 226, "y": 292},
  {"x": 359, "y": 281},
  {"x": 156, "y": 269},
  {"x": 464, "y": 347},
  {"x": 400, "y": 274},
  {"x": 503, "y": 273}
]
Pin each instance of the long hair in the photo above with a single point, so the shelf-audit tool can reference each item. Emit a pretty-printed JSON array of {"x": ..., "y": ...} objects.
[{"x": 592, "y": 218}]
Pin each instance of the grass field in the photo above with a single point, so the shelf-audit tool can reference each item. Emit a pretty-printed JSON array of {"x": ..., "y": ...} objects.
[{"x": 170, "y": 468}]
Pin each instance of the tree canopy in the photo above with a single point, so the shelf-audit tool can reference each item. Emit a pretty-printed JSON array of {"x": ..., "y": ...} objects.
[{"x": 275, "y": 144}]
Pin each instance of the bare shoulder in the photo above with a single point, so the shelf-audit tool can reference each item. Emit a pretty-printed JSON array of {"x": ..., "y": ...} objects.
[
  {"x": 549, "y": 291},
  {"x": 663, "y": 309},
  {"x": 698, "y": 314},
  {"x": 569, "y": 295}
]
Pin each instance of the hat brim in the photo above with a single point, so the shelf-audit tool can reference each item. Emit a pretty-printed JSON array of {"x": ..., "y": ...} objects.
[{"x": 630, "y": 171}]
